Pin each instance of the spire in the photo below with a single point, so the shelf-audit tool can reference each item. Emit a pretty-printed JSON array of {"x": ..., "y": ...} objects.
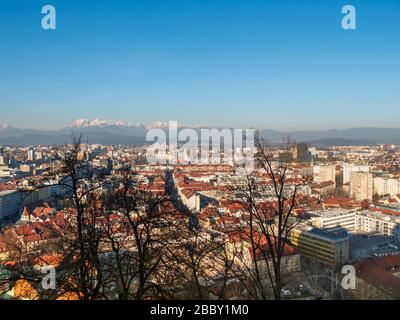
[{"x": 26, "y": 213}]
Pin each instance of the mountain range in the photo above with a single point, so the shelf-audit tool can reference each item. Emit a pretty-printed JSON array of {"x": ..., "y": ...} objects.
[{"x": 112, "y": 132}]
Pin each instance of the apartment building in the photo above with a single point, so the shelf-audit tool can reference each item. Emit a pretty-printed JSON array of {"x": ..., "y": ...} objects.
[
  {"x": 324, "y": 173},
  {"x": 10, "y": 203},
  {"x": 356, "y": 221},
  {"x": 349, "y": 168},
  {"x": 386, "y": 186},
  {"x": 361, "y": 186},
  {"x": 372, "y": 221}
]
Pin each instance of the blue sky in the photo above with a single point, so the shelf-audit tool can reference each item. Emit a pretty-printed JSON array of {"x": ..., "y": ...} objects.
[{"x": 283, "y": 64}]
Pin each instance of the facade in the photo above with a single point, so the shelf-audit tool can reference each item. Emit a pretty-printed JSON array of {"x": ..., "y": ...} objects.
[
  {"x": 369, "y": 221},
  {"x": 5, "y": 171},
  {"x": 10, "y": 203},
  {"x": 361, "y": 186},
  {"x": 324, "y": 187},
  {"x": 386, "y": 186},
  {"x": 365, "y": 221},
  {"x": 290, "y": 264},
  {"x": 4, "y": 161},
  {"x": 324, "y": 173},
  {"x": 44, "y": 193},
  {"x": 31, "y": 155},
  {"x": 190, "y": 199},
  {"x": 328, "y": 247},
  {"x": 332, "y": 219},
  {"x": 300, "y": 152},
  {"x": 349, "y": 168},
  {"x": 241, "y": 252}
]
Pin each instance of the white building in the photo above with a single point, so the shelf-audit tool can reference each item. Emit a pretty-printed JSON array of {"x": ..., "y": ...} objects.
[
  {"x": 4, "y": 160},
  {"x": 357, "y": 221},
  {"x": 38, "y": 155},
  {"x": 324, "y": 173},
  {"x": 384, "y": 186},
  {"x": 31, "y": 155},
  {"x": 334, "y": 218},
  {"x": 349, "y": 168},
  {"x": 5, "y": 171},
  {"x": 371, "y": 221}
]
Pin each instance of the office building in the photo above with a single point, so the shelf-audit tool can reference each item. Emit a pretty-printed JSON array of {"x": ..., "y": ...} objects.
[
  {"x": 334, "y": 219},
  {"x": 330, "y": 247},
  {"x": 300, "y": 152}
]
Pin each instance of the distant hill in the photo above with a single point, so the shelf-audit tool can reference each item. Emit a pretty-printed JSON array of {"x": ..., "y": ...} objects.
[
  {"x": 371, "y": 135},
  {"x": 341, "y": 142},
  {"x": 110, "y": 132}
]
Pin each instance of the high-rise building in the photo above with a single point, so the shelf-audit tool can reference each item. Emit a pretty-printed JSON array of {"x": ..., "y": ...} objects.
[
  {"x": 361, "y": 184},
  {"x": 349, "y": 168},
  {"x": 300, "y": 152},
  {"x": 31, "y": 154}
]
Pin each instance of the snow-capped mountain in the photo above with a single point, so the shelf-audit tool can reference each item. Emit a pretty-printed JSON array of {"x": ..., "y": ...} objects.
[
  {"x": 85, "y": 123},
  {"x": 158, "y": 125},
  {"x": 110, "y": 132},
  {"x": 4, "y": 126}
]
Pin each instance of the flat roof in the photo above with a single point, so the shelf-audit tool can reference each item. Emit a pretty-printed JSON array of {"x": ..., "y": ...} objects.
[
  {"x": 367, "y": 240},
  {"x": 381, "y": 216},
  {"x": 326, "y": 213},
  {"x": 6, "y": 192},
  {"x": 332, "y": 235}
]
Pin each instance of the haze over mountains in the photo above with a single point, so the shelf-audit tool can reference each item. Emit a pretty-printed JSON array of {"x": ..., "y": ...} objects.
[{"x": 112, "y": 132}]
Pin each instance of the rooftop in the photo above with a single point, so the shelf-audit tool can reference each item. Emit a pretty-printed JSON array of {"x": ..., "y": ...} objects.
[
  {"x": 330, "y": 235},
  {"x": 327, "y": 213},
  {"x": 6, "y": 192},
  {"x": 376, "y": 214}
]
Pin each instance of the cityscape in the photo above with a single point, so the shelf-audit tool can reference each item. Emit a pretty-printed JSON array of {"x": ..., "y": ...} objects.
[
  {"x": 193, "y": 151},
  {"x": 193, "y": 225}
]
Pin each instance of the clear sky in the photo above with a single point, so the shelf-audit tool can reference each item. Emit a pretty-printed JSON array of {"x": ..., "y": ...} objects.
[{"x": 279, "y": 64}]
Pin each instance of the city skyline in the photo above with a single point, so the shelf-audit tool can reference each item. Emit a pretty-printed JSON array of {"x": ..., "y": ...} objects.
[
  {"x": 200, "y": 156},
  {"x": 279, "y": 65}
]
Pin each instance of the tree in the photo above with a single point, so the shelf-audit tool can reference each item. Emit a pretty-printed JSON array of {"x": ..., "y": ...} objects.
[
  {"x": 133, "y": 236},
  {"x": 270, "y": 210},
  {"x": 80, "y": 271},
  {"x": 197, "y": 262}
]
